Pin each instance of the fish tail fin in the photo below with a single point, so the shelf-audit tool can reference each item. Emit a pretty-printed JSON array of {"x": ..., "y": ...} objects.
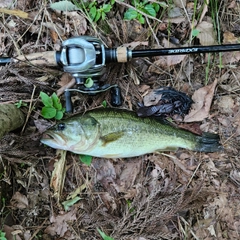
[{"x": 208, "y": 142}]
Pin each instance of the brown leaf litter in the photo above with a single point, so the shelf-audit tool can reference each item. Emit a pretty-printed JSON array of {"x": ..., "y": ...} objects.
[{"x": 175, "y": 195}]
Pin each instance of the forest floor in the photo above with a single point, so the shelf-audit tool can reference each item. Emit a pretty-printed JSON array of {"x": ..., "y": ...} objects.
[{"x": 170, "y": 195}]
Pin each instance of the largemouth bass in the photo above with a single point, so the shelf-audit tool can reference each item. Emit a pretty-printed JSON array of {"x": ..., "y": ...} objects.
[{"x": 117, "y": 133}]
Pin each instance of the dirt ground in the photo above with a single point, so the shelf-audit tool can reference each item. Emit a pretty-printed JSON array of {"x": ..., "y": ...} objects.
[{"x": 170, "y": 195}]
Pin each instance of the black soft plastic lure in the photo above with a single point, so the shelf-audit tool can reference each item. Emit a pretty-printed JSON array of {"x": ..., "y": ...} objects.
[{"x": 171, "y": 102}]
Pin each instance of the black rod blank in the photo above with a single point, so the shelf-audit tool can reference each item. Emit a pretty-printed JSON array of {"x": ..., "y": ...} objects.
[{"x": 185, "y": 50}]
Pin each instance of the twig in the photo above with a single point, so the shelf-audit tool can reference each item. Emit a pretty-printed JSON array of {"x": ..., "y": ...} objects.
[
  {"x": 205, "y": 9},
  {"x": 38, "y": 229},
  {"x": 61, "y": 90},
  {"x": 14, "y": 42},
  {"x": 194, "y": 174},
  {"x": 154, "y": 35},
  {"x": 33, "y": 21},
  {"x": 193, "y": 234},
  {"x": 29, "y": 109}
]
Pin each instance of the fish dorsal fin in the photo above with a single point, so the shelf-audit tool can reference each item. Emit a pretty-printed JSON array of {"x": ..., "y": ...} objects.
[{"x": 111, "y": 137}]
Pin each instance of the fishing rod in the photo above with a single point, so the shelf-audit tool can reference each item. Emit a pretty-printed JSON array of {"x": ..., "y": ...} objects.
[{"x": 85, "y": 57}]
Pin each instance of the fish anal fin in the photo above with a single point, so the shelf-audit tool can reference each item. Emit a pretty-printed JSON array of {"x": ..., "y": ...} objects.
[
  {"x": 167, "y": 149},
  {"x": 111, "y": 137}
]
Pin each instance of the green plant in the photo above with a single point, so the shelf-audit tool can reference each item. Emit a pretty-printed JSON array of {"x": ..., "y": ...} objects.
[
  {"x": 97, "y": 11},
  {"x": 129, "y": 203},
  {"x": 69, "y": 203},
  {"x": 3, "y": 201},
  {"x": 104, "y": 103},
  {"x": 145, "y": 7},
  {"x": 89, "y": 82},
  {"x": 194, "y": 33},
  {"x": 20, "y": 103},
  {"x": 86, "y": 159},
  {"x": 52, "y": 106},
  {"x": 2, "y": 235},
  {"x": 103, "y": 235}
]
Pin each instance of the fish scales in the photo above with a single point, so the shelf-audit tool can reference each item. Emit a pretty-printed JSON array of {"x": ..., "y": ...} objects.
[
  {"x": 141, "y": 136},
  {"x": 116, "y": 133}
]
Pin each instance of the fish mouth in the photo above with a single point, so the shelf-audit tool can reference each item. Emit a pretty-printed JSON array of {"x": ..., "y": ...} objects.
[{"x": 53, "y": 140}]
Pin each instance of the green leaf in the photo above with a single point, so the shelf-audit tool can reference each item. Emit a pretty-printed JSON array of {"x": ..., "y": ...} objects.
[
  {"x": 98, "y": 16},
  {"x": 49, "y": 112},
  {"x": 89, "y": 82},
  {"x": 20, "y": 103},
  {"x": 86, "y": 159},
  {"x": 92, "y": 4},
  {"x": 56, "y": 101},
  {"x": 93, "y": 12},
  {"x": 103, "y": 15},
  {"x": 104, "y": 103},
  {"x": 141, "y": 19},
  {"x": 103, "y": 235},
  {"x": 106, "y": 8},
  {"x": 64, "y": 6},
  {"x": 59, "y": 115},
  {"x": 156, "y": 6},
  {"x": 130, "y": 14},
  {"x": 112, "y": 2},
  {"x": 195, "y": 32},
  {"x": 150, "y": 10},
  {"x": 2, "y": 234},
  {"x": 47, "y": 101},
  {"x": 145, "y": 2},
  {"x": 67, "y": 204}
]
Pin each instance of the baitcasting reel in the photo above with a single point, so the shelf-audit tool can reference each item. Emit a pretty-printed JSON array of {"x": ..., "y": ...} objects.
[{"x": 85, "y": 57}]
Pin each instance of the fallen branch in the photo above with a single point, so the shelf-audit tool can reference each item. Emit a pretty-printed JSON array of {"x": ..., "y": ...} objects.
[{"x": 11, "y": 118}]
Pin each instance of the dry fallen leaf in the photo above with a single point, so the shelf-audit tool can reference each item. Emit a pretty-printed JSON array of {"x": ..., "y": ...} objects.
[
  {"x": 230, "y": 57},
  {"x": 165, "y": 62},
  {"x": 206, "y": 34},
  {"x": 226, "y": 104},
  {"x": 128, "y": 176},
  {"x": 19, "y": 201},
  {"x": 10, "y": 233},
  {"x": 65, "y": 79},
  {"x": 180, "y": 4},
  {"x": 79, "y": 22},
  {"x": 176, "y": 20},
  {"x": 133, "y": 45},
  {"x": 60, "y": 223},
  {"x": 202, "y": 99},
  {"x": 229, "y": 37}
]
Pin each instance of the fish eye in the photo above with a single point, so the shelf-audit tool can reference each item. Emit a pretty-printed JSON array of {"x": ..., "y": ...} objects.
[{"x": 61, "y": 126}]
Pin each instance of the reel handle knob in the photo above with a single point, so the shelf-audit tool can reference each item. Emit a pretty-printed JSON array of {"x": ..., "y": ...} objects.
[
  {"x": 116, "y": 97},
  {"x": 69, "y": 107}
]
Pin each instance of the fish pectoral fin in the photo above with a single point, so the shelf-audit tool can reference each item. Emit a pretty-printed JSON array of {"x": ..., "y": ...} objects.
[{"x": 111, "y": 137}]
